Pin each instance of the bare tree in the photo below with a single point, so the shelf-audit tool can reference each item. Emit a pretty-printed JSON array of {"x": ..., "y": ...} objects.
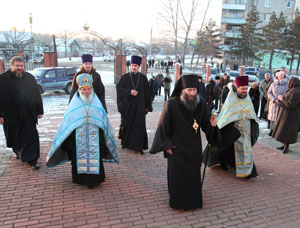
[
  {"x": 202, "y": 23},
  {"x": 170, "y": 15},
  {"x": 187, "y": 25},
  {"x": 65, "y": 36},
  {"x": 16, "y": 40}
]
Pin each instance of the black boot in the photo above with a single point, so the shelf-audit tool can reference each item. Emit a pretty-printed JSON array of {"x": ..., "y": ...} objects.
[
  {"x": 270, "y": 133},
  {"x": 280, "y": 147},
  {"x": 285, "y": 149}
]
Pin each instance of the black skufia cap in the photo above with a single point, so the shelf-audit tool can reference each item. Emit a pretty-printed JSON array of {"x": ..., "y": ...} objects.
[{"x": 185, "y": 81}]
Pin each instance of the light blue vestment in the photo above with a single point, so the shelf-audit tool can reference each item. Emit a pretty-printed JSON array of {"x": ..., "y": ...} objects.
[
  {"x": 85, "y": 119},
  {"x": 239, "y": 111}
]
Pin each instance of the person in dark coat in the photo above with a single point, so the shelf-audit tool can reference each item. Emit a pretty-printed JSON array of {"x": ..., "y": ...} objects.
[
  {"x": 178, "y": 136},
  {"x": 87, "y": 67},
  {"x": 159, "y": 79},
  {"x": 288, "y": 120},
  {"x": 133, "y": 99},
  {"x": 20, "y": 108},
  {"x": 166, "y": 82},
  {"x": 201, "y": 88},
  {"x": 210, "y": 93},
  {"x": 255, "y": 96},
  {"x": 217, "y": 92},
  {"x": 153, "y": 85}
]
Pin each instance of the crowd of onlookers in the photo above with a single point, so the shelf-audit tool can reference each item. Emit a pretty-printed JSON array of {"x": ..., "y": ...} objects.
[{"x": 275, "y": 99}]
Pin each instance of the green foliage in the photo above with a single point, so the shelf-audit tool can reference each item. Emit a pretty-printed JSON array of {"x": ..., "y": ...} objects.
[
  {"x": 249, "y": 41},
  {"x": 208, "y": 40},
  {"x": 273, "y": 34}
]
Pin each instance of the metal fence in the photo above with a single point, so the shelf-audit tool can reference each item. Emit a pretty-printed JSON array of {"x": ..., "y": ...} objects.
[{"x": 29, "y": 65}]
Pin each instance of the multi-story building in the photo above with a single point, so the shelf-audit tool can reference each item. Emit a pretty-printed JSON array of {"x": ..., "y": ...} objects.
[{"x": 234, "y": 14}]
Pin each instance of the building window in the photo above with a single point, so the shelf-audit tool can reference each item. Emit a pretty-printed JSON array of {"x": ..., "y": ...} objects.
[
  {"x": 288, "y": 4},
  {"x": 266, "y": 16},
  {"x": 268, "y": 3}
]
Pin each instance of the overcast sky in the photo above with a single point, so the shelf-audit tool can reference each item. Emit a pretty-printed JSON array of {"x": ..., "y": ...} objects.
[{"x": 117, "y": 19}]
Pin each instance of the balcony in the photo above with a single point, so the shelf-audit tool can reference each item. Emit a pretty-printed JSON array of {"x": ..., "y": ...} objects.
[
  {"x": 234, "y": 7},
  {"x": 230, "y": 20},
  {"x": 232, "y": 34}
]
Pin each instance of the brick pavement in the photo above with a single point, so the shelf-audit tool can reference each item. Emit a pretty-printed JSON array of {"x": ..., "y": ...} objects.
[{"x": 135, "y": 191}]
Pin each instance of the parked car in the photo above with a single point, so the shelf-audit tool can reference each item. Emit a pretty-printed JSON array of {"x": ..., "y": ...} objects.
[
  {"x": 233, "y": 74},
  {"x": 108, "y": 58},
  {"x": 54, "y": 78},
  {"x": 251, "y": 71}
]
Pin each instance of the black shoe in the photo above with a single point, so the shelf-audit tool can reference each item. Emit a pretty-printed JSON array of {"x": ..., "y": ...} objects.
[
  {"x": 280, "y": 147},
  {"x": 285, "y": 150},
  {"x": 35, "y": 166},
  {"x": 270, "y": 133},
  {"x": 224, "y": 166},
  {"x": 142, "y": 152}
]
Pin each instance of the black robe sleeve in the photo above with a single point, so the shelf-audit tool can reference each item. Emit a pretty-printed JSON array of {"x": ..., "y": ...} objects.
[
  {"x": 123, "y": 95},
  {"x": 212, "y": 133},
  {"x": 162, "y": 139}
]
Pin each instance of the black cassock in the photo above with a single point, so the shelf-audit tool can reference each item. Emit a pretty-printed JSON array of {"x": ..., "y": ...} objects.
[
  {"x": 133, "y": 110},
  {"x": 176, "y": 130},
  {"x": 20, "y": 105}
]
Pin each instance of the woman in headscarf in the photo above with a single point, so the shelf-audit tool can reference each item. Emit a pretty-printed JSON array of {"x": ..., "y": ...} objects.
[
  {"x": 278, "y": 87},
  {"x": 288, "y": 120}
]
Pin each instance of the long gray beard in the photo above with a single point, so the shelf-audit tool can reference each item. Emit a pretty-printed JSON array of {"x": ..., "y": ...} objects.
[
  {"x": 190, "y": 105},
  {"x": 85, "y": 99}
]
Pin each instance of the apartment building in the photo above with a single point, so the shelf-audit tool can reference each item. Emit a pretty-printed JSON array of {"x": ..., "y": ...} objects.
[{"x": 234, "y": 13}]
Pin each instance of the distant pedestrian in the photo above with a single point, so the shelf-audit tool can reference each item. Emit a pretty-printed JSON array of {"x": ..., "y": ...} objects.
[
  {"x": 166, "y": 82},
  {"x": 288, "y": 120},
  {"x": 20, "y": 108},
  {"x": 217, "y": 92},
  {"x": 159, "y": 79},
  {"x": 210, "y": 96},
  {"x": 263, "y": 97},
  {"x": 153, "y": 85},
  {"x": 278, "y": 87},
  {"x": 201, "y": 88}
]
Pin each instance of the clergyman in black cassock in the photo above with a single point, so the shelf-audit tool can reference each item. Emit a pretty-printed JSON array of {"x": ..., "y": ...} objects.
[
  {"x": 20, "y": 108},
  {"x": 178, "y": 135},
  {"x": 134, "y": 102}
]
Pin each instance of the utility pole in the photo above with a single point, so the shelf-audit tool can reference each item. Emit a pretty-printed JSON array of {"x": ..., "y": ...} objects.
[
  {"x": 30, "y": 22},
  {"x": 151, "y": 44}
]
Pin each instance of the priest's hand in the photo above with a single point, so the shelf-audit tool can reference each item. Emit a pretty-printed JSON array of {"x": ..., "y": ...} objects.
[
  {"x": 1, "y": 120},
  {"x": 280, "y": 97},
  {"x": 134, "y": 92},
  {"x": 40, "y": 116},
  {"x": 213, "y": 120},
  {"x": 169, "y": 151}
]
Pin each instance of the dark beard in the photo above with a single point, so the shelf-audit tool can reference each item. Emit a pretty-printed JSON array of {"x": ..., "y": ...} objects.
[
  {"x": 241, "y": 96},
  {"x": 190, "y": 105}
]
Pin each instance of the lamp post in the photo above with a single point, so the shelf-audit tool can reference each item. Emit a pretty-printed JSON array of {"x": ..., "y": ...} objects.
[{"x": 30, "y": 22}]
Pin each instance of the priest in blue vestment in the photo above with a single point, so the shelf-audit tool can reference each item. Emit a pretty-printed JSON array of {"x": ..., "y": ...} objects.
[{"x": 85, "y": 137}]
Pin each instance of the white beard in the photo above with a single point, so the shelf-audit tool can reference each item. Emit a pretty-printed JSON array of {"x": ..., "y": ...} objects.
[{"x": 85, "y": 99}]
